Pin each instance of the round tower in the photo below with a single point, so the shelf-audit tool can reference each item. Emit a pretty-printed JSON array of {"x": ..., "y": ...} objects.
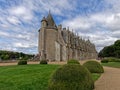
[{"x": 43, "y": 22}]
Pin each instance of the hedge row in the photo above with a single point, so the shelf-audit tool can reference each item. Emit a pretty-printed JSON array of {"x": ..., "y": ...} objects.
[
  {"x": 106, "y": 60},
  {"x": 24, "y": 62}
]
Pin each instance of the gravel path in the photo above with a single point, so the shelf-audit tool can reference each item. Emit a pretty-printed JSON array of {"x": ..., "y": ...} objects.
[
  {"x": 109, "y": 80},
  {"x": 37, "y": 62},
  {"x": 15, "y": 63}
]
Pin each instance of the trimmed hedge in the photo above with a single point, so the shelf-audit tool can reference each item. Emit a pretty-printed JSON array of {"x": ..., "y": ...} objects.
[
  {"x": 73, "y": 61},
  {"x": 22, "y": 62},
  {"x": 111, "y": 59},
  {"x": 94, "y": 66},
  {"x": 104, "y": 61},
  {"x": 71, "y": 77},
  {"x": 43, "y": 62}
]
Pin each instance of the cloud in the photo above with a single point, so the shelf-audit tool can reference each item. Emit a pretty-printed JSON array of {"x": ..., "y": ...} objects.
[
  {"x": 98, "y": 20},
  {"x": 3, "y": 34},
  {"x": 21, "y": 45},
  {"x": 78, "y": 23},
  {"x": 114, "y": 24},
  {"x": 18, "y": 10},
  {"x": 13, "y": 20},
  {"x": 21, "y": 12},
  {"x": 116, "y": 34},
  {"x": 101, "y": 28}
]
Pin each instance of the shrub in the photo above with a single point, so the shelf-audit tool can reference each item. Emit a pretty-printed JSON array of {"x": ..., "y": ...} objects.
[
  {"x": 94, "y": 67},
  {"x": 73, "y": 61},
  {"x": 117, "y": 60},
  {"x": 71, "y": 77},
  {"x": 22, "y": 62},
  {"x": 112, "y": 59},
  {"x": 43, "y": 62},
  {"x": 104, "y": 61}
]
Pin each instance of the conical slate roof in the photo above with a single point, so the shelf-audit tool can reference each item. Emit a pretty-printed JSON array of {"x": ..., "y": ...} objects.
[{"x": 50, "y": 21}]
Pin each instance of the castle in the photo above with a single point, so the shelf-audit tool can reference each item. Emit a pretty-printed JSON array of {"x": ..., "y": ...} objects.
[{"x": 60, "y": 44}]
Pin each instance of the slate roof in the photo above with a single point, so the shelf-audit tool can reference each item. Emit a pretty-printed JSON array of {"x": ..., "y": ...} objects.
[{"x": 50, "y": 21}]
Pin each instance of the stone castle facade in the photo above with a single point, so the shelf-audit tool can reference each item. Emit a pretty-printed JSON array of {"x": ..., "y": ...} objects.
[{"x": 60, "y": 44}]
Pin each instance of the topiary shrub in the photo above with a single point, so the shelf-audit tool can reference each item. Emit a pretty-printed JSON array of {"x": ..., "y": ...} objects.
[
  {"x": 71, "y": 77},
  {"x": 43, "y": 62},
  {"x": 73, "y": 61},
  {"x": 104, "y": 61},
  {"x": 22, "y": 62},
  {"x": 94, "y": 67}
]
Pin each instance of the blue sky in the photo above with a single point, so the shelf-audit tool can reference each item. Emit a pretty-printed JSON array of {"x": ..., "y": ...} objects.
[{"x": 98, "y": 20}]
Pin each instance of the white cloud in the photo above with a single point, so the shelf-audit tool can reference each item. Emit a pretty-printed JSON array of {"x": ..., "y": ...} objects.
[
  {"x": 3, "y": 33},
  {"x": 18, "y": 10},
  {"x": 56, "y": 7},
  {"x": 78, "y": 23},
  {"x": 20, "y": 22},
  {"x": 114, "y": 5},
  {"x": 21, "y": 12},
  {"x": 21, "y": 45},
  {"x": 114, "y": 24},
  {"x": 13, "y": 20},
  {"x": 116, "y": 34},
  {"x": 101, "y": 28}
]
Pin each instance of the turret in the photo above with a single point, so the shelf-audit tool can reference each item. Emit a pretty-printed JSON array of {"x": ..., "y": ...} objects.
[{"x": 43, "y": 22}]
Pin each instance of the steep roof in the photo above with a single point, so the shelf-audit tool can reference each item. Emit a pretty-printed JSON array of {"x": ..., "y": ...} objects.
[{"x": 50, "y": 21}]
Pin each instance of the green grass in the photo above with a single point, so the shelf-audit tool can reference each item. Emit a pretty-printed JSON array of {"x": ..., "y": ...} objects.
[
  {"x": 112, "y": 64},
  {"x": 95, "y": 76},
  {"x": 27, "y": 77}
]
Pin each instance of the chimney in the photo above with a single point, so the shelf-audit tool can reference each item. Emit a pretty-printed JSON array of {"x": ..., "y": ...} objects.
[{"x": 60, "y": 27}]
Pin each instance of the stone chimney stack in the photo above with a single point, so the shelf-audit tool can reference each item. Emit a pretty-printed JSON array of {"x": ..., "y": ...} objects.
[
  {"x": 64, "y": 28},
  {"x": 60, "y": 27}
]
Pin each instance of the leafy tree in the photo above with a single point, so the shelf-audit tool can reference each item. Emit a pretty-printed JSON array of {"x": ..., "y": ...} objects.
[
  {"x": 10, "y": 55},
  {"x": 5, "y": 57},
  {"x": 111, "y": 51},
  {"x": 117, "y": 48}
]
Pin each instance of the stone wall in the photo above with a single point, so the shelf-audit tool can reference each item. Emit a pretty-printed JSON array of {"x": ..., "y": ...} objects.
[
  {"x": 60, "y": 44},
  {"x": 51, "y": 36},
  {"x": 64, "y": 52},
  {"x": 57, "y": 51}
]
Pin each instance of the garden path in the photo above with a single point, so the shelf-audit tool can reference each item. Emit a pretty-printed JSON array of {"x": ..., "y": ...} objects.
[{"x": 109, "y": 80}]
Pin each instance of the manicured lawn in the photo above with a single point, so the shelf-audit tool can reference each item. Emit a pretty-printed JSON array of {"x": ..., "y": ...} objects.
[
  {"x": 112, "y": 64},
  {"x": 27, "y": 77}
]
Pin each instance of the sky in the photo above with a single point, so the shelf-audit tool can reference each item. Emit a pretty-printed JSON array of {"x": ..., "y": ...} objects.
[{"x": 20, "y": 20}]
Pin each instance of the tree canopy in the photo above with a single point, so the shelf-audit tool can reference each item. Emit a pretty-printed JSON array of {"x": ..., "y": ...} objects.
[
  {"x": 10, "y": 55},
  {"x": 111, "y": 51}
]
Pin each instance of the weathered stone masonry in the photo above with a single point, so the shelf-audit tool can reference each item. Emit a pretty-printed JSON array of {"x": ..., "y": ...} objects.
[{"x": 60, "y": 44}]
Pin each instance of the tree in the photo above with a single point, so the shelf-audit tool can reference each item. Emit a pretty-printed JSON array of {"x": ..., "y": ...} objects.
[
  {"x": 111, "y": 51},
  {"x": 117, "y": 48},
  {"x": 10, "y": 55}
]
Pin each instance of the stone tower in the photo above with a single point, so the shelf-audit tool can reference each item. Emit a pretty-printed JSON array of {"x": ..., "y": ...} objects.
[
  {"x": 60, "y": 44},
  {"x": 47, "y": 38}
]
